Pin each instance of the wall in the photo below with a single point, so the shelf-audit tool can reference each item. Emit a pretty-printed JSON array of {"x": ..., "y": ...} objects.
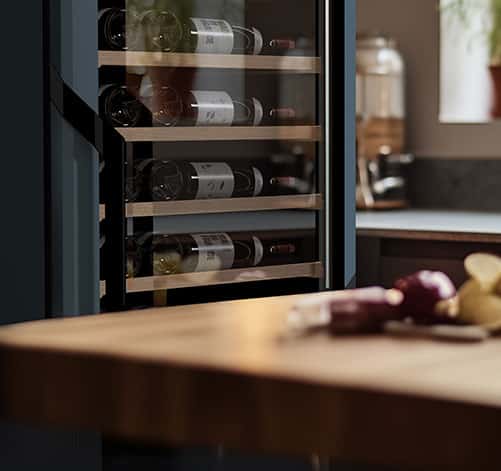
[{"x": 416, "y": 26}]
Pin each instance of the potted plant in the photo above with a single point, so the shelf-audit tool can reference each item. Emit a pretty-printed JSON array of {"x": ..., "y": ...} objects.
[{"x": 491, "y": 11}]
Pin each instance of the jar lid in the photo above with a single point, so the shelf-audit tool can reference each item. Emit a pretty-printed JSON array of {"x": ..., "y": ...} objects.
[{"x": 375, "y": 40}]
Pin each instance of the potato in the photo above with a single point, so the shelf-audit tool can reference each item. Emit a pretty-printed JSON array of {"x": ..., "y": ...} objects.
[
  {"x": 478, "y": 307},
  {"x": 485, "y": 269},
  {"x": 448, "y": 308}
]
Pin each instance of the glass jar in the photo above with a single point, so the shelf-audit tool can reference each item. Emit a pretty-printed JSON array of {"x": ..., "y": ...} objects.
[
  {"x": 380, "y": 94},
  {"x": 380, "y": 106}
]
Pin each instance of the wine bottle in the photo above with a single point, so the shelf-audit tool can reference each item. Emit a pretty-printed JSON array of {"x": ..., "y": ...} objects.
[
  {"x": 135, "y": 256},
  {"x": 119, "y": 29},
  {"x": 162, "y": 180},
  {"x": 119, "y": 106},
  {"x": 191, "y": 253},
  {"x": 170, "y": 107},
  {"x": 165, "y": 31},
  {"x": 112, "y": 29}
]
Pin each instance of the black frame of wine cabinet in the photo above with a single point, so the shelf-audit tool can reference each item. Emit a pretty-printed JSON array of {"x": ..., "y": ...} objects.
[{"x": 339, "y": 230}]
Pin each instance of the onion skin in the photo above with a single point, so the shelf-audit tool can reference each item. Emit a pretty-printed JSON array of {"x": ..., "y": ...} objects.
[
  {"x": 365, "y": 311},
  {"x": 423, "y": 291}
]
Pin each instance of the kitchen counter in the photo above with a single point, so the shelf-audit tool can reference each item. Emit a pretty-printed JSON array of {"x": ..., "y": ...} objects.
[
  {"x": 223, "y": 374},
  {"x": 431, "y": 225}
]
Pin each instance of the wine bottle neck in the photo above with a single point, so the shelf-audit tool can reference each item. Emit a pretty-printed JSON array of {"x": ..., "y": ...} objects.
[
  {"x": 282, "y": 44},
  {"x": 281, "y": 114},
  {"x": 283, "y": 249}
]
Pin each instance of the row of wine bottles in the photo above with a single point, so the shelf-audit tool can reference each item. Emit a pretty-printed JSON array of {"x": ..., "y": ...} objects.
[
  {"x": 164, "y": 105},
  {"x": 167, "y": 180},
  {"x": 165, "y": 31},
  {"x": 162, "y": 255}
]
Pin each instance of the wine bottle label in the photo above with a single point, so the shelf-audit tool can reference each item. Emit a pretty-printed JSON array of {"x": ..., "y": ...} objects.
[
  {"x": 213, "y": 36},
  {"x": 215, "y": 252},
  {"x": 215, "y": 180},
  {"x": 258, "y": 251},
  {"x": 214, "y": 108},
  {"x": 258, "y": 181}
]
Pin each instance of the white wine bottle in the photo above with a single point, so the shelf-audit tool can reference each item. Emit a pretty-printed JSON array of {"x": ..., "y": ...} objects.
[
  {"x": 165, "y": 31},
  {"x": 188, "y": 253}
]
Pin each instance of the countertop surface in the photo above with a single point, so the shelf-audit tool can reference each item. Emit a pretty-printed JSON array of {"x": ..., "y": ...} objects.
[
  {"x": 225, "y": 374},
  {"x": 459, "y": 225}
]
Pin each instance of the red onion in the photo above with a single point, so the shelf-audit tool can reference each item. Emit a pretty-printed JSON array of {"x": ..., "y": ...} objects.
[
  {"x": 422, "y": 292},
  {"x": 364, "y": 310}
]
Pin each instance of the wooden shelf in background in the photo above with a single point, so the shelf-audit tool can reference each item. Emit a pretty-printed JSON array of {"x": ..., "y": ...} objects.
[
  {"x": 222, "y": 133},
  {"x": 218, "y": 206},
  {"x": 291, "y": 64},
  {"x": 191, "y": 280}
]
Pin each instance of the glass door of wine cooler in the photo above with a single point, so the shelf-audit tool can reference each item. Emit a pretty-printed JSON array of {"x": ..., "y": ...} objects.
[{"x": 221, "y": 176}]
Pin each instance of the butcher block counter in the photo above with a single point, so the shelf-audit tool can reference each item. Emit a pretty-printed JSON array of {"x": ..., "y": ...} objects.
[{"x": 225, "y": 374}]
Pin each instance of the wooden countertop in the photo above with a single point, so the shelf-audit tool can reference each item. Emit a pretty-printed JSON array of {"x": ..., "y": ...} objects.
[
  {"x": 431, "y": 225},
  {"x": 220, "y": 374}
]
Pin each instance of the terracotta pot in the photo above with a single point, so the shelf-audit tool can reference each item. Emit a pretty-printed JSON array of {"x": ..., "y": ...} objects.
[{"x": 496, "y": 81}]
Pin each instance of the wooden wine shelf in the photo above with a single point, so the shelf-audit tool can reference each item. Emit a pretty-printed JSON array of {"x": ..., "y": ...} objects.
[
  {"x": 230, "y": 205},
  {"x": 246, "y": 275},
  {"x": 291, "y": 64},
  {"x": 191, "y": 280},
  {"x": 223, "y": 133}
]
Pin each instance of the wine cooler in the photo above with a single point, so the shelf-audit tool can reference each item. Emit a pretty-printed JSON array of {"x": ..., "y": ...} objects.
[{"x": 204, "y": 148}]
